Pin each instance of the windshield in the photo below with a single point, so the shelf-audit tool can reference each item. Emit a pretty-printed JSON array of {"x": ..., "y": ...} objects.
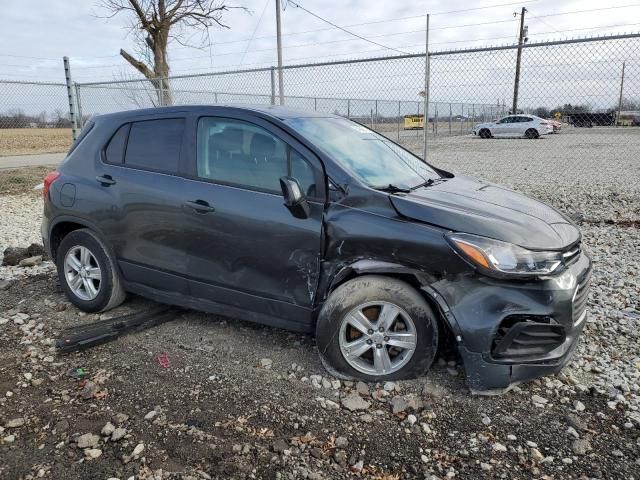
[{"x": 370, "y": 157}]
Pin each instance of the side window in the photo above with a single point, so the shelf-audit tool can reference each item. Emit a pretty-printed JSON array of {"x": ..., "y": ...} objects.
[
  {"x": 155, "y": 145},
  {"x": 114, "y": 153},
  {"x": 243, "y": 154}
]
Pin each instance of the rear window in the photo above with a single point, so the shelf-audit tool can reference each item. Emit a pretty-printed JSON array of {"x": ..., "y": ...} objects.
[
  {"x": 114, "y": 153},
  {"x": 155, "y": 145}
]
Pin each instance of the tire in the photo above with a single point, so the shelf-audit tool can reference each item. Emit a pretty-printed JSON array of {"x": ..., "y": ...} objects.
[
  {"x": 372, "y": 295},
  {"x": 484, "y": 133},
  {"x": 531, "y": 133},
  {"x": 107, "y": 290}
]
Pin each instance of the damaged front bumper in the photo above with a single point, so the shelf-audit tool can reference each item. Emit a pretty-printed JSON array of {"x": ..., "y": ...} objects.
[{"x": 508, "y": 332}]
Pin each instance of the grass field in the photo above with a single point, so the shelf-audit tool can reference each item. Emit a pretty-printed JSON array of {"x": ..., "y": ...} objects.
[
  {"x": 22, "y": 180},
  {"x": 25, "y": 141}
]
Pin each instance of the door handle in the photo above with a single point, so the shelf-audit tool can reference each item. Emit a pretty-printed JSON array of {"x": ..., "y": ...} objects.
[
  {"x": 105, "y": 180},
  {"x": 200, "y": 206}
]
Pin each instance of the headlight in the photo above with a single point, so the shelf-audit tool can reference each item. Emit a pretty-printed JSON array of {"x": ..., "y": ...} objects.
[{"x": 502, "y": 257}]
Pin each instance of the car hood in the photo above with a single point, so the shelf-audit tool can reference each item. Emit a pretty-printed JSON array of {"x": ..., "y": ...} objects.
[
  {"x": 465, "y": 204},
  {"x": 486, "y": 124}
]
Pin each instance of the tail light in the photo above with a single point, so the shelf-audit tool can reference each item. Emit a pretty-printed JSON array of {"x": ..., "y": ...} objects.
[{"x": 48, "y": 180}]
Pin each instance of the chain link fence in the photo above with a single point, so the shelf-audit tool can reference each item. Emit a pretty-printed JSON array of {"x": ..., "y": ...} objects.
[{"x": 590, "y": 86}]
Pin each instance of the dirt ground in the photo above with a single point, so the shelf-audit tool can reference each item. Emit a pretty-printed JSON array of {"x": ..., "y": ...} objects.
[
  {"x": 28, "y": 141},
  {"x": 208, "y": 397},
  {"x": 23, "y": 180}
]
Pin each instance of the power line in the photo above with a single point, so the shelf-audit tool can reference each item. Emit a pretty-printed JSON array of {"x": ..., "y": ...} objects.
[
  {"x": 343, "y": 29},
  {"x": 264, "y": 9}
]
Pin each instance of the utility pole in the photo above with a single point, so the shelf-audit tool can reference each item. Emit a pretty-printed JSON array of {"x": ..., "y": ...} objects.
[
  {"x": 427, "y": 75},
  {"x": 621, "y": 89},
  {"x": 279, "y": 35},
  {"x": 516, "y": 84}
]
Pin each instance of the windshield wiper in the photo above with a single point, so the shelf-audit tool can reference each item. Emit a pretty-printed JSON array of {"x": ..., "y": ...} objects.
[
  {"x": 390, "y": 188},
  {"x": 428, "y": 183}
]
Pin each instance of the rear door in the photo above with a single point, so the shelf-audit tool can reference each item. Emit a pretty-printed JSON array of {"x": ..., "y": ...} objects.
[
  {"x": 246, "y": 249},
  {"x": 140, "y": 169}
]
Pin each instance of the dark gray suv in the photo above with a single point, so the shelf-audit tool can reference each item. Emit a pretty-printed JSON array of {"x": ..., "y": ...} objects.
[{"x": 315, "y": 223}]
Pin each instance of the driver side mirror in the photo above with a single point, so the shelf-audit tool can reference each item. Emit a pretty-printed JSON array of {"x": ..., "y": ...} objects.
[{"x": 294, "y": 198}]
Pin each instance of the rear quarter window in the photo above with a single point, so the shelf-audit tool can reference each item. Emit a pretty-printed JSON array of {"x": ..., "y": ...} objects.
[
  {"x": 114, "y": 153},
  {"x": 155, "y": 145}
]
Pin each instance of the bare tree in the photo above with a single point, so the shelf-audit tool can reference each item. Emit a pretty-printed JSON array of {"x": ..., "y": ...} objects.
[{"x": 156, "y": 23}]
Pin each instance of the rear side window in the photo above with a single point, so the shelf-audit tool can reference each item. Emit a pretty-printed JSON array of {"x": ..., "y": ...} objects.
[
  {"x": 155, "y": 145},
  {"x": 114, "y": 153}
]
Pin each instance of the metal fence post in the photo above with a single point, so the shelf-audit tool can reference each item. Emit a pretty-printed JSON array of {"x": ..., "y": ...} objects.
[
  {"x": 376, "y": 117},
  {"x": 348, "y": 108},
  {"x": 80, "y": 121},
  {"x": 315, "y": 104},
  {"x": 450, "y": 115},
  {"x": 273, "y": 85},
  {"x": 215, "y": 97},
  {"x": 461, "y": 118},
  {"x": 398, "y": 121},
  {"x": 435, "y": 121},
  {"x": 70, "y": 94}
]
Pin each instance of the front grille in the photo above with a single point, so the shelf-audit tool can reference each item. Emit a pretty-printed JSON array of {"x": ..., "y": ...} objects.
[
  {"x": 580, "y": 297},
  {"x": 527, "y": 336}
]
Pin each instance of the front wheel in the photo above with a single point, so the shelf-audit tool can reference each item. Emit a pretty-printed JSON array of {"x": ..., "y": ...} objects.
[
  {"x": 377, "y": 328},
  {"x": 485, "y": 133},
  {"x": 87, "y": 273}
]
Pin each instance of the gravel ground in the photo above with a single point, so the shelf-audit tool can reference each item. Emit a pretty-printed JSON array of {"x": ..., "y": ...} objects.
[{"x": 209, "y": 397}]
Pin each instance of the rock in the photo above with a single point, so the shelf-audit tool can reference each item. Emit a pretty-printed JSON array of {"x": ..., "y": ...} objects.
[
  {"x": 539, "y": 400},
  {"x": 108, "y": 429},
  {"x": 92, "y": 453},
  {"x": 9, "y": 439},
  {"x": 120, "y": 418},
  {"x": 354, "y": 402},
  {"x": 572, "y": 431},
  {"x": 4, "y": 284},
  {"x": 31, "y": 261},
  {"x": 89, "y": 390},
  {"x": 512, "y": 437},
  {"x": 266, "y": 363},
  {"x": 536, "y": 455},
  {"x": 390, "y": 386},
  {"x": 3, "y": 320},
  {"x": 398, "y": 404},
  {"x": 151, "y": 415},
  {"x": 340, "y": 457},
  {"x": 486, "y": 421},
  {"x": 88, "y": 440},
  {"x": 118, "y": 434},
  {"x": 15, "y": 423},
  {"x": 579, "y": 406},
  {"x": 13, "y": 255},
  {"x": 279, "y": 445},
  {"x": 342, "y": 442},
  {"x": 414, "y": 403},
  {"x": 61, "y": 426},
  {"x": 498, "y": 447},
  {"x": 28, "y": 376},
  {"x": 485, "y": 466},
  {"x": 138, "y": 450},
  {"x": 317, "y": 453},
  {"x": 581, "y": 446},
  {"x": 362, "y": 388}
]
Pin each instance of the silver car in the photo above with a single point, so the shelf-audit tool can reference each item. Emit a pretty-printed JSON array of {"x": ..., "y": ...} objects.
[{"x": 514, "y": 126}]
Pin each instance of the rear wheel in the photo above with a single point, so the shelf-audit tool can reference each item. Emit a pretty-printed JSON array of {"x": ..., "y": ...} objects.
[
  {"x": 485, "y": 133},
  {"x": 87, "y": 273},
  {"x": 531, "y": 133},
  {"x": 376, "y": 328}
]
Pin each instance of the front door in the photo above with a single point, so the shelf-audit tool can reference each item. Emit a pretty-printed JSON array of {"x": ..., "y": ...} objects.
[{"x": 246, "y": 249}]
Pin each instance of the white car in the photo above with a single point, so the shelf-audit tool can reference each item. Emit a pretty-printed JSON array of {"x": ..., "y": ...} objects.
[{"x": 528, "y": 126}]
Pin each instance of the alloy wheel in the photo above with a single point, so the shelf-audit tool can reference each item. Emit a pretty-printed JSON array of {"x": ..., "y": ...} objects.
[
  {"x": 377, "y": 338},
  {"x": 82, "y": 273}
]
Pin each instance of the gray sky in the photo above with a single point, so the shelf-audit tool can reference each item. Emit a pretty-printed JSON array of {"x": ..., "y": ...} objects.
[{"x": 49, "y": 29}]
